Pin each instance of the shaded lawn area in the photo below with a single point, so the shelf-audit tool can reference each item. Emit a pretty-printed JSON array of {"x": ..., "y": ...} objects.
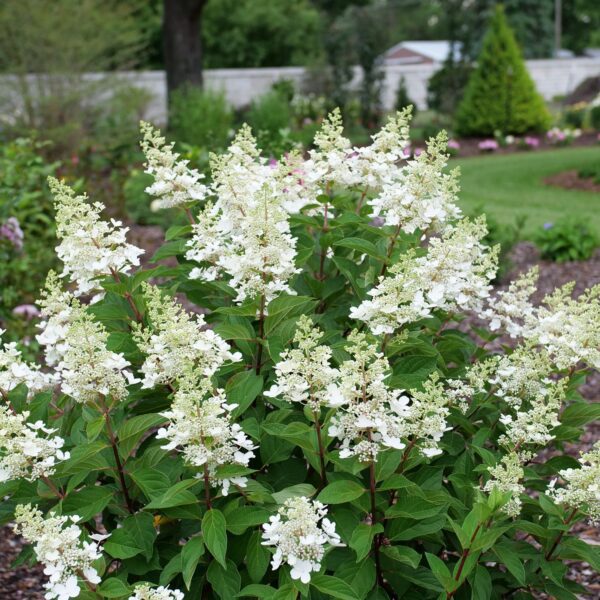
[{"x": 510, "y": 185}]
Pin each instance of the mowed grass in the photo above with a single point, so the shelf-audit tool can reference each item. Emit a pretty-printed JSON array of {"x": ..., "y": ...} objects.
[{"x": 506, "y": 186}]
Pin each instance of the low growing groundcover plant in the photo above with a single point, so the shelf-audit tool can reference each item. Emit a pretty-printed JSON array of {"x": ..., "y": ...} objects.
[{"x": 292, "y": 411}]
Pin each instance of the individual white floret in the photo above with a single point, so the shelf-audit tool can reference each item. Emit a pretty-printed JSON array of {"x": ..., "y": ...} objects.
[
  {"x": 304, "y": 374},
  {"x": 89, "y": 247},
  {"x": 300, "y": 533},
  {"x": 202, "y": 429},
  {"x": 175, "y": 183},
  {"x": 27, "y": 450},
  {"x": 582, "y": 486},
  {"x": 59, "y": 545},
  {"x": 176, "y": 344},
  {"x": 147, "y": 592}
]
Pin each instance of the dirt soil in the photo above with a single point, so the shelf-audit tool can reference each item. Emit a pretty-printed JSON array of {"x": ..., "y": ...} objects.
[{"x": 571, "y": 180}]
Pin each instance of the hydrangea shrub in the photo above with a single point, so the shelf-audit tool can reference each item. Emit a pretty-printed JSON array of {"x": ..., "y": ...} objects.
[{"x": 291, "y": 407}]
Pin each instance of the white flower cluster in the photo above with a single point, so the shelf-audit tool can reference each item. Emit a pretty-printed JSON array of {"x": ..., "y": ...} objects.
[
  {"x": 427, "y": 416},
  {"x": 304, "y": 374},
  {"x": 14, "y": 371},
  {"x": 455, "y": 273},
  {"x": 582, "y": 489},
  {"x": 175, "y": 184},
  {"x": 373, "y": 416},
  {"x": 58, "y": 545},
  {"x": 200, "y": 424},
  {"x": 90, "y": 247},
  {"x": 176, "y": 344},
  {"x": 420, "y": 195},
  {"x": 506, "y": 477},
  {"x": 25, "y": 452},
  {"x": 567, "y": 328},
  {"x": 146, "y": 592},
  {"x": 245, "y": 234},
  {"x": 76, "y": 346},
  {"x": 300, "y": 531}
]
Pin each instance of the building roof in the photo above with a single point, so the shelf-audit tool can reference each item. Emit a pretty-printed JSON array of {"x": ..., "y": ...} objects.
[{"x": 419, "y": 51}]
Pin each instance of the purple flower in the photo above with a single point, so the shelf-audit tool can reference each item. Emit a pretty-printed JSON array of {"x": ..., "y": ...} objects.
[
  {"x": 548, "y": 225},
  {"x": 488, "y": 145},
  {"x": 532, "y": 142},
  {"x": 28, "y": 311},
  {"x": 11, "y": 231},
  {"x": 418, "y": 152}
]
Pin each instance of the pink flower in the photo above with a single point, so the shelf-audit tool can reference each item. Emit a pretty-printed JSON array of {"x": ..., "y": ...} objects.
[
  {"x": 532, "y": 142},
  {"x": 488, "y": 145},
  {"x": 28, "y": 311},
  {"x": 11, "y": 231},
  {"x": 418, "y": 152},
  {"x": 453, "y": 144}
]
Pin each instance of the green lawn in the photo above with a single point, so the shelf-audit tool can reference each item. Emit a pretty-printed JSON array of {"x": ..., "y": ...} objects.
[{"x": 509, "y": 185}]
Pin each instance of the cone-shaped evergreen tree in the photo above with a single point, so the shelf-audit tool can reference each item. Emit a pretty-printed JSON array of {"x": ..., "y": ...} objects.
[{"x": 500, "y": 94}]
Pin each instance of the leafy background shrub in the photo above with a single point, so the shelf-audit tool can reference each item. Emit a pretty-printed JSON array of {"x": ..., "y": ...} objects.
[
  {"x": 569, "y": 238},
  {"x": 500, "y": 94}
]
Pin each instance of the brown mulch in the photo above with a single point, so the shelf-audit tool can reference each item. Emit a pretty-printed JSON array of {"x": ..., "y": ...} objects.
[
  {"x": 25, "y": 583},
  {"x": 572, "y": 181}
]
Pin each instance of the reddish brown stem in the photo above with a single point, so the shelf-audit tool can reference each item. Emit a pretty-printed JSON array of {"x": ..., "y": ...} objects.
[
  {"x": 261, "y": 335},
  {"x": 558, "y": 539},
  {"x": 190, "y": 216},
  {"x": 463, "y": 560},
  {"x": 207, "y": 488},
  {"x": 389, "y": 251},
  {"x": 321, "y": 451}
]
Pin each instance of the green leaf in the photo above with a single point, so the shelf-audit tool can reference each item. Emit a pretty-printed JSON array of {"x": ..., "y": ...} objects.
[
  {"x": 440, "y": 570},
  {"x": 402, "y": 554},
  {"x": 257, "y": 557},
  {"x": 339, "y": 492},
  {"x": 334, "y": 587},
  {"x": 114, "y": 588},
  {"x": 413, "y": 507},
  {"x": 246, "y": 516},
  {"x": 301, "y": 489},
  {"x": 362, "y": 539},
  {"x": 176, "y": 231},
  {"x": 131, "y": 432},
  {"x": 580, "y": 413},
  {"x": 361, "y": 578},
  {"x": 360, "y": 245},
  {"x": 136, "y": 536},
  {"x": 215, "y": 536},
  {"x": 513, "y": 563},
  {"x": 242, "y": 389},
  {"x": 88, "y": 502},
  {"x": 285, "y": 307},
  {"x": 256, "y": 590},
  {"x": 176, "y": 495},
  {"x": 190, "y": 556},
  {"x": 225, "y": 581},
  {"x": 481, "y": 584},
  {"x": 174, "y": 248},
  {"x": 152, "y": 482}
]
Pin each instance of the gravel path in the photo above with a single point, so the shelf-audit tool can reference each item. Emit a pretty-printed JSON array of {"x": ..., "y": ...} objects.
[{"x": 25, "y": 583}]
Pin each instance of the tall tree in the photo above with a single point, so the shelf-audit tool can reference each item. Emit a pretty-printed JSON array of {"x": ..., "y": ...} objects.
[{"x": 182, "y": 20}]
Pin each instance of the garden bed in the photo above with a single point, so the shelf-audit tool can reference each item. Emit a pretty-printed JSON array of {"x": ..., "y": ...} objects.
[{"x": 571, "y": 180}]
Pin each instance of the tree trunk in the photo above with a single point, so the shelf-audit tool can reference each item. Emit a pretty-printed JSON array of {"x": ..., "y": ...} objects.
[{"x": 182, "y": 43}]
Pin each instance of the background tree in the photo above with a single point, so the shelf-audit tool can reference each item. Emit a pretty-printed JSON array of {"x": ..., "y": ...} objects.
[
  {"x": 500, "y": 94},
  {"x": 182, "y": 39}
]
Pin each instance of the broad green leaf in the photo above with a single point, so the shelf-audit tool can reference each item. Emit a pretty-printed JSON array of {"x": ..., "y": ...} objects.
[
  {"x": 580, "y": 413},
  {"x": 132, "y": 431},
  {"x": 242, "y": 389},
  {"x": 136, "y": 536},
  {"x": 190, "y": 556},
  {"x": 362, "y": 539},
  {"x": 88, "y": 502},
  {"x": 481, "y": 584},
  {"x": 255, "y": 590},
  {"x": 176, "y": 495},
  {"x": 152, "y": 482},
  {"x": 402, "y": 554},
  {"x": 301, "y": 489},
  {"x": 215, "y": 536},
  {"x": 512, "y": 562},
  {"x": 339, "y": 492},
  {"x": 257, "y": 557},
  {"x": 114, "y": 588},
  {"x": 333, "y": 586},
  {"x": 225, "y": 581},
  {"x": 361, "y": 246},
  {"x": 440, "y": 570},
  {"x": 246, "y": 516}
]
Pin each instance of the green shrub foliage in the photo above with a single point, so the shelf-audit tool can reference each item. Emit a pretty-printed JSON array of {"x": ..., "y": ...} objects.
[
  {"x": 288, "y": 409},
  {"x": 500, "y": 94},
  {"x": 567, "y": 239}
]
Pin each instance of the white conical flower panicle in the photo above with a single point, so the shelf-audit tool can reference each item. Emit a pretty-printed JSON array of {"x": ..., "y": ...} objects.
[
  {"x": 14, "y": 371},
  {"x": 582, "y": 486},
  {"x": 90, "y": 248},
  {"x": 176, "y": 344},
  {"x": 421, "y": 195},
  {"x": 27, "y": 450},
  {"x": 454, "y": 274},
  {"x": 175, "y": 183},
  {"x": 76, "y": 345},
  {"x": 373, "y": 416},
  {"x": 59, "y": 544},
  {"x": 304, "y": 374},
  {"x": 375, "y": 164},
  {"x": 300, "y": 533},
  {"x": 202, "y": 428},
  {"x": 245, "y": 236},
  {"x": 506, "y": 477},
  {"x": 147, "y": 592}
]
